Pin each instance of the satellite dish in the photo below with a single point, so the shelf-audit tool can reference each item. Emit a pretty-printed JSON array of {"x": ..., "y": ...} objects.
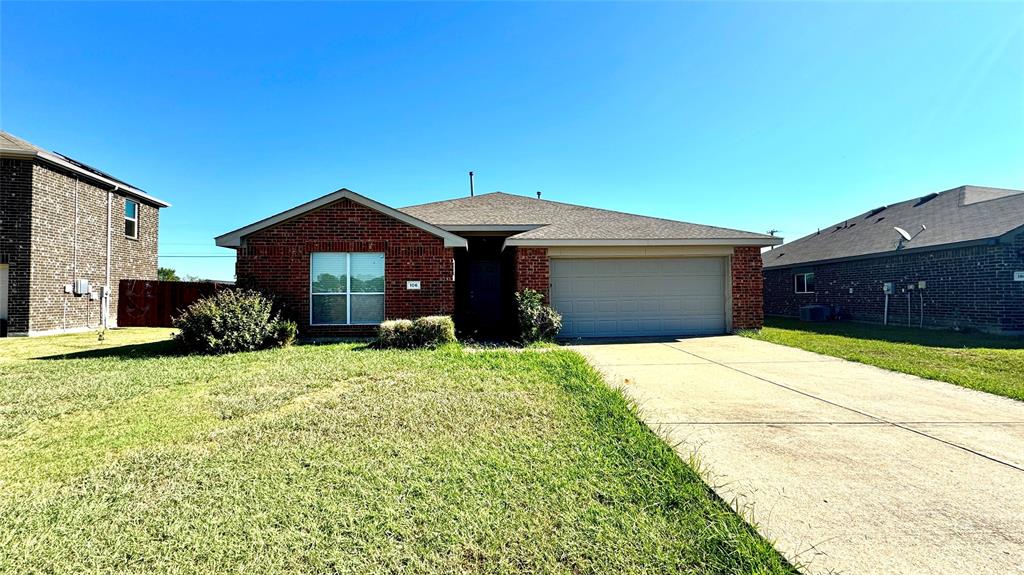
[{"x": 902, "y": 232}]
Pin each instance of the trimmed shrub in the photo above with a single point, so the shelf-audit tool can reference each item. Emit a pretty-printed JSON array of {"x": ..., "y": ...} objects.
[
  {"x": 397, "y": 333},
  {"x": 537, "y": 322},
  {"x": 429, "y": 331},
  {"x": 434, "y": 330},
  {"x": 231, "y": 321}
]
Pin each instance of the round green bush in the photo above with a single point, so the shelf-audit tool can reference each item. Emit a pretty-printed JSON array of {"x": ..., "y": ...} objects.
[
  {"x": 231, "y": 321},
  {"x": 537, "y": 322}
]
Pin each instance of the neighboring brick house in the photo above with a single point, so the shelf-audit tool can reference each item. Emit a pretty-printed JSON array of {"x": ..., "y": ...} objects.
[
  {"x": 62, "y": 221},
  {"x": 963, "y": 267},
  {"x": 342, "y": 263}
]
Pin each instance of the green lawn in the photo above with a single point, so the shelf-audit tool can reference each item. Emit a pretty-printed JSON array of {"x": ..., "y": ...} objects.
[
  {"x": 985, "y": 362},
  {"x": 123, "y": 457}
]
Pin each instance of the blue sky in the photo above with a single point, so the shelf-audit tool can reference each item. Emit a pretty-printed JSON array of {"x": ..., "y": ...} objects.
[{"x": 758, "y": 116}]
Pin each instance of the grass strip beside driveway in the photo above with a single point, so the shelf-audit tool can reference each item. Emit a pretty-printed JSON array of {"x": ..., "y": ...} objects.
[
  {"x": 990, "y": 363},
  {"x": 123, "y": 457}
]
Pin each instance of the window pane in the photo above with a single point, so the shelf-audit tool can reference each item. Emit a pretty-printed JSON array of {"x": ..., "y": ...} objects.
[
  {"x": 130, "y": 209},
  {"x": 367, "y": 273},
  {"x": 367, "y": 308},
  {"x": 129, "y": 228},
  {"x": 328, "y": 273},
  {"x": 330, "y": 309},
  {"x": 799, "y": 283},
  {"x": 809, "y": 282}
]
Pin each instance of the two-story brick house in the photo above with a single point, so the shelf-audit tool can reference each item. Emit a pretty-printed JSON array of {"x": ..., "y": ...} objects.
[{"x": 68, "y": 234}]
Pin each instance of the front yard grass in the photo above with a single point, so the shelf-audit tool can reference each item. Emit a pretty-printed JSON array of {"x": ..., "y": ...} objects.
[
  {"x": 123, "y": 457},
  {"x": 984, "y": 362}
]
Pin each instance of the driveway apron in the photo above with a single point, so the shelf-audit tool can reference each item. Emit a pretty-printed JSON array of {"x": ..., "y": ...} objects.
[{"x": 848, "y": 468}]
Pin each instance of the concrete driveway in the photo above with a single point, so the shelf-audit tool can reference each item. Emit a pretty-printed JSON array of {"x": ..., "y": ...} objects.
[{"x": 847, "y": 467}]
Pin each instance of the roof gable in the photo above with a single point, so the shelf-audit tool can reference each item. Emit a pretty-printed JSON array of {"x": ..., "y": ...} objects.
[
  {"x": 544, "y": 222},
  {"x": 964, "y": 214},
  {"x": 233, "y": 239}
]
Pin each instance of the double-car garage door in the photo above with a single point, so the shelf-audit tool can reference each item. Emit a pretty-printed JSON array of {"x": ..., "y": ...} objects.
[{"x": 639, "y": 297}]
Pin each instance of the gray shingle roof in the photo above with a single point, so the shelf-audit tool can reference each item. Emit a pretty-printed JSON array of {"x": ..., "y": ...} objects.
[
  {"x": 12, "y": 143},
  {"x": 15, "y": 146},
  {"x": 547, "y": 220},
  {"x": 964, "y": 214}
]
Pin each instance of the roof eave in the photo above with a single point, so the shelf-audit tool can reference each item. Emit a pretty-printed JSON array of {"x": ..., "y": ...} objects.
[
  {"x": 58, "y": 161},
  {"x": 537, "y": 242},
  {"x": 233, "y": 239}
]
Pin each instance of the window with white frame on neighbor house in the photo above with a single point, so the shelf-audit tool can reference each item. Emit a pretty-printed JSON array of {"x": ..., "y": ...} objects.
[
  {"x": 804, "y": 282},
  {"x": 346, "y": 288},
  {"x": 131, "y": 219}
]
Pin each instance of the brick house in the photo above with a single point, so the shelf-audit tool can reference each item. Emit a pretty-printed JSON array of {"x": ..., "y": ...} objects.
[
  {"x": 68, "y": 233},
  {"x": 342, "y": 263},
  {"x": 953, "y": 259}
]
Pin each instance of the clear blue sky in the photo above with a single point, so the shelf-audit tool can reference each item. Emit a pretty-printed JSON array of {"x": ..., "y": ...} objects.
[{"x": 752, "y": 116}]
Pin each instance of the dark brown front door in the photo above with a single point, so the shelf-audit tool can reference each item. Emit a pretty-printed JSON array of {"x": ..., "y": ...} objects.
[{"x": 485, "y": 294}]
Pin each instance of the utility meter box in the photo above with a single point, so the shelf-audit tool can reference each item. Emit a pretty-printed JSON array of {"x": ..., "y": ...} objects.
[
  {"x": 889, "y": 288},
  {"x": 81, "y": 287}
]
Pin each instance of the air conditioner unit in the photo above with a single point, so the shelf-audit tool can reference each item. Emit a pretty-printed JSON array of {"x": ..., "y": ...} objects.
[
  {"x": 81, "y": 287},
  {"x": 814, "y": 313}
]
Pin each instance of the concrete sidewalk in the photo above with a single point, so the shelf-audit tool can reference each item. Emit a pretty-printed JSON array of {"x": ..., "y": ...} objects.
[{"x": 847, "y": 467}]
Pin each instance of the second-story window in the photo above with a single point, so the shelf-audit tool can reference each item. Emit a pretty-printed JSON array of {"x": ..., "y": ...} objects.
[{"x": 131, "y": 219}]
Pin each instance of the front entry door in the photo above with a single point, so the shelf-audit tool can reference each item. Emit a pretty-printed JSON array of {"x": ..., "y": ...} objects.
[{"x": 485, "y": 294}]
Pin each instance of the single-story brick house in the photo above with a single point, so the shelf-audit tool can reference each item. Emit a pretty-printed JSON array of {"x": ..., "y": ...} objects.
[
  {"x": 343, "y": 262},
  {"x": 68, "y": 234},
  {"x": 952, "y": 259}
]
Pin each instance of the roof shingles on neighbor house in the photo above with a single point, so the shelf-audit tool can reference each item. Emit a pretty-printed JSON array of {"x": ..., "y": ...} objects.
[
  {"x": 962, "y": 268},
  {"x": 609, "y": 273},
  {"x": 964, "y": 214}
]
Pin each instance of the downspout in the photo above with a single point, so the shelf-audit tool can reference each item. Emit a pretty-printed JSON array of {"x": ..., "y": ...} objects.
[
  {"x": 106, "y": 288},
  {"x": 74, "y": 259}
]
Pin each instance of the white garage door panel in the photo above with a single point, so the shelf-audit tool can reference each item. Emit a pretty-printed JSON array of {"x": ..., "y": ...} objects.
[{"x": 624, "y": 297}]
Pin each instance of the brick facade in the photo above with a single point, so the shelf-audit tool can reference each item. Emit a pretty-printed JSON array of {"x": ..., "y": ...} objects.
[
  {"x": 533, "y": 270},
  {"x": 747, "y": 307},
  {"x": 58, "y": 233},
  {"x": 966, "y": 288},
  {"x": 15, "y": 237},
  {"x": 276, "y": 260}
]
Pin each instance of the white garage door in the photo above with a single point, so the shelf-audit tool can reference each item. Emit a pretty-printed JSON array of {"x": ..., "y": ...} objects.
[{"x": 633, "y": 297}]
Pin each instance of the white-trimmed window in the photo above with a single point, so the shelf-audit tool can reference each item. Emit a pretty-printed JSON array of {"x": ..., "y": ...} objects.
[
  {"x": 131, "y": 219},
  {"x": 804, "y": 283},
  {"x": 346, "y": 288}
]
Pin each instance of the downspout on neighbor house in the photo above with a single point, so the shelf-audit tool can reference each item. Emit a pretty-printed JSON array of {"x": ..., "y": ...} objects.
[{"x": 105, "y": 296}]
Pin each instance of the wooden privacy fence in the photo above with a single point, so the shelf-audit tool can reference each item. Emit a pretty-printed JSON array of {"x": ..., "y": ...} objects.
[{"x": 152, "y": 303}]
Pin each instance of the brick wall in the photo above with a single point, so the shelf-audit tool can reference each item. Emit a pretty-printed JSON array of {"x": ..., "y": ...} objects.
[
  {"x": 69, "y": 244},
  {"x": 276, "y": 260},
  {"x": 747, "y": 307},
  {"x": 15, "y": 233},
  {"x": 533, "y": 270},
  {"x": 968, "y": 287}
]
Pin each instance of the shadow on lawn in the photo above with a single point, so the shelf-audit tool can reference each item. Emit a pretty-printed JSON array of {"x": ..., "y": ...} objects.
[
  {"x": 899, "y": 334},
  {"x": 134, "y": 351}
]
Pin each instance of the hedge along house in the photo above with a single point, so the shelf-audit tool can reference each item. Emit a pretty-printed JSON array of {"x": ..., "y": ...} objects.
[
  {"x": 343, "y": 263},
  {"x": 68, "y": 233},
  {"x": 959, "y": 265}
]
